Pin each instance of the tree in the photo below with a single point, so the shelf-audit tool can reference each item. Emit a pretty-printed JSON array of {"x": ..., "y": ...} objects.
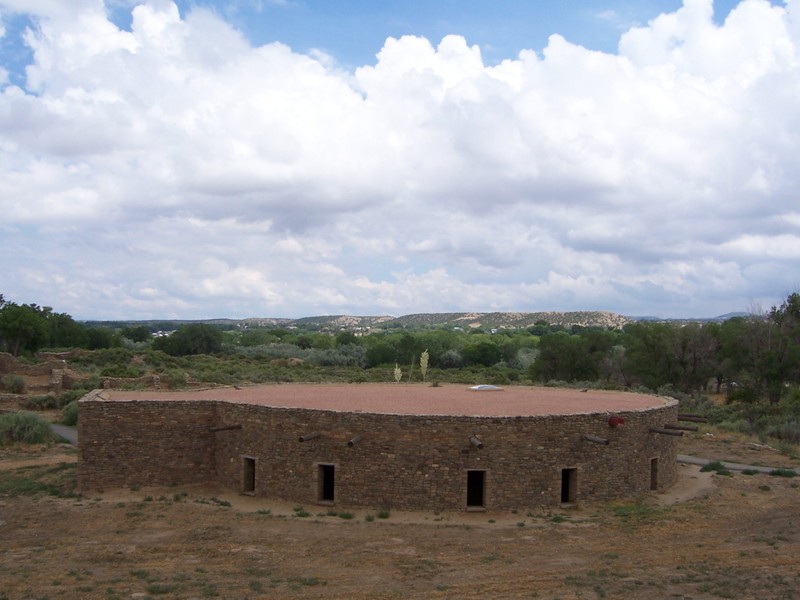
[
  {"x": 138, "y": 333},
  {"x": 195, "y": 338},
  {"x": 782, "y": 359},
  {"x": 343, "y": 338},
  {"x": 482, "y": 353},
  {"x": 99, "y": 338},
  {"x": 564, "y": 357},
  {"x": 304, "y": 341},
  {"x": 380, "y": 352},
  {"x": 741, "y": 345},
  {"x": 65, "y": 332},
  {"x": 258, "y": 337},
  {"x": 696, "y": 353},
  {"x": 650, "y": 354},
  {"x": 23, "y": 328}
]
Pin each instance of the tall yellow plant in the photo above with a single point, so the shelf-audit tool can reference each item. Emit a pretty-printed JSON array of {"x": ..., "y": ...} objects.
[{"x": 423, "y": 363}]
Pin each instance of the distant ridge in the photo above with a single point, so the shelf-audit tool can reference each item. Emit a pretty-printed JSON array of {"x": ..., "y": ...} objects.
[
  {"x": 463, "y": 320},
  {"x": 719, "y": 319}
]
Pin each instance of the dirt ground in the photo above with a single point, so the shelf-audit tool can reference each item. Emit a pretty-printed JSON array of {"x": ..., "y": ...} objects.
[{"x": 710, "y": 536}]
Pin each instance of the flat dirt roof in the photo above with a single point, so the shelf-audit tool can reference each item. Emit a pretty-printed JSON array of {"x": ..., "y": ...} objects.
[{"x": 414, "y": 399}]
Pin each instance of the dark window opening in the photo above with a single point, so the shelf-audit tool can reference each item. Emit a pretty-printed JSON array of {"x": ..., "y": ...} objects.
[
  {"x": 476, "y": 488},
  {"x": 326, "y": 483},
  {"x": 653, "y": 473},
  {"x": 569, "y": 485},
  {"x": 248, "y": 475}
]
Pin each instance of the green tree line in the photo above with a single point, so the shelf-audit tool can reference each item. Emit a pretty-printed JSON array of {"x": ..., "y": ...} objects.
[
  {"x": 27, "y": 328},
  {"x": 750, "y": 358}
]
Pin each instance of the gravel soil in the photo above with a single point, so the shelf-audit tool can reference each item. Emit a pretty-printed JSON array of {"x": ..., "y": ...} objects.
[{"x": 710, "y": 536}]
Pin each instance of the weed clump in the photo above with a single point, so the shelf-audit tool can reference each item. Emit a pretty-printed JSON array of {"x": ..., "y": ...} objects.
[
  {"x": 69, "y": 414},
  {"x": 13, "y": 384},
  {"x": 24, "y": 428},
  {"x": 783, "y": 473},
  {"x": 717, "y": 467}
]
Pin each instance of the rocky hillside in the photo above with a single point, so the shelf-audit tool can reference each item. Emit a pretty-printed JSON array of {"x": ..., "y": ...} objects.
[
  {"x": 466, "y": 320},
  {"x": 511, "y": 320}
]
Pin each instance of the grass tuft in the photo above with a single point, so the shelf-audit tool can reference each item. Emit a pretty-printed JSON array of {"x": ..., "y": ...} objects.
[{"x": 59, "y": 481}]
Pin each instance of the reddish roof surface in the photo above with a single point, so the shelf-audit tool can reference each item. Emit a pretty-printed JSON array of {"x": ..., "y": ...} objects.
[{"x": 419, "y": 399}]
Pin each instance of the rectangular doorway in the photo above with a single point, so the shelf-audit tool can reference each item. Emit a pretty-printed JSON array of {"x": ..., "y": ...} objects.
[
  {"x": 325, "y": 483},
  {"x": 476, "y": 489},
  {"x": 248, "y": 475},
  {"x": 653, "y": 473},
  {"x": 569, "y": 486}
]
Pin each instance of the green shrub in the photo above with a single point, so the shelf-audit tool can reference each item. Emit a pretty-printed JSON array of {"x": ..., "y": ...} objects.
[
  {"x": 41, "y": 402},
  {"x": 70, "y": 395},
  {"x": 736, "y": 425},
  {"x": 25, "y": 428},
  {"x": 104, "y": 358},
  {"x": 176, "y": 379},
  {"x": 122, "y": 371},
  {"x": 13, "y": 384},
  {"x": 50, "y": 401},
  {"x": 717, "y": 467},
  {"x": 69, "y": 414},
  {"x": 90, "y": 383},
  {"x": 788, "y": 431},
  {"x": 299, "y": 511},
  {"x": 783, "y": 473}
]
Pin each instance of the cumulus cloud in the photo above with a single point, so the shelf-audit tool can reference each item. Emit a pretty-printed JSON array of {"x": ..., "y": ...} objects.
[{"x": 177, "y": 170}]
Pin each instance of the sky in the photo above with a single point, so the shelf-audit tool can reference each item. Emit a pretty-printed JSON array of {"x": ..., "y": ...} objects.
[{"x": 287, "y": 158}]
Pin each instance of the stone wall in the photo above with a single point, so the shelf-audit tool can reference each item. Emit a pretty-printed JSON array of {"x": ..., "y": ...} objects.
[
  {"x": 9, "y": 364},
  {"x": 124, "y": 444},
  {"x": 398, "y": 461}
]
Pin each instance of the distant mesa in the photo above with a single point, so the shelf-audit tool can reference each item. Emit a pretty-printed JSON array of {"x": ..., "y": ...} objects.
[{"x": 466, "y": 321}]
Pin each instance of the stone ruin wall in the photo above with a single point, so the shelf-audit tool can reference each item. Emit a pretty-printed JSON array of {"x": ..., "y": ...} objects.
[
  {"x": 397, "y": 462},
  {"x": 129, "y": 444}
]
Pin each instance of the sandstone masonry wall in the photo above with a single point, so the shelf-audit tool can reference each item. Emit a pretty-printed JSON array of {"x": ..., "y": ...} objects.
[
  {"x": 125, "y": 444},
  {"x": 397, "y": 461}
]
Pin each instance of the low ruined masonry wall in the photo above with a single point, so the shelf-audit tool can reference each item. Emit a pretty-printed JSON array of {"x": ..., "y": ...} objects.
[{"x": 375, "y": 460}]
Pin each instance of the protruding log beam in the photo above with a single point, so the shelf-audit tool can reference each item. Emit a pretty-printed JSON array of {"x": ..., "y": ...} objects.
[
  {"x": 309, "y": 436},
  {"x": 475, "y": 442},
  {"x": 691, "y": 418},
  {"x": 225, "y": 427},
  {"x": 595, "y": 439},
  {"x": 681, "y": 427},
  {"x": 353, "y": 441},
  {"x": 665, "y": 431}
]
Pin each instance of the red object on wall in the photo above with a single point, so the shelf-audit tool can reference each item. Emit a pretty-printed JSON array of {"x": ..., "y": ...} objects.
[{"x": 614, "y": 421}]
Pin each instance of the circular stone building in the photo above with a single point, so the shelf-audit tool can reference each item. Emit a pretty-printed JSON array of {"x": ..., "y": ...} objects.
[{"x": 412, "y": 447}]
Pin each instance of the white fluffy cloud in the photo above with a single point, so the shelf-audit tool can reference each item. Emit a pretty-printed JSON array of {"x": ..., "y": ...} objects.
[{"x": 175, "y": 170}]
